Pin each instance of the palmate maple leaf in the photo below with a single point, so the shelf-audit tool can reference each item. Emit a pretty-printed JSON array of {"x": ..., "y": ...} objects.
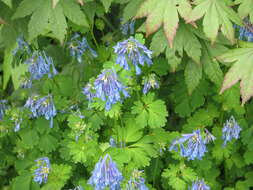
[
  {"x": 241, "y": 70},
  {"x": 216, "y": 15},
  {"x": 166, "y": 13}
]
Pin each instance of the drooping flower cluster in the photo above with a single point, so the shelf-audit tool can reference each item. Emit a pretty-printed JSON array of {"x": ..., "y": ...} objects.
[
  {"x": 78, "y": 46},
  {"x": 230, "y": 130},
  {"x": 128, "y": 28},
  {"x": 194, "y": 148},
  {"x": 42, "y": 170},
  {"x": 150, "y": 82},
  {"x": 23, "y": 47},
  {"x": 39, "y": 65},
  {"x": 106, "y": 174},
  {"x": 106, "y": 87},
  {"x": 199, "y": 185},
  {"x": 3, "y": 107},
  {"x": 132, "y": 51},
  {"x": 42, "y": 107},
  {"x": 136, "y": 182}
]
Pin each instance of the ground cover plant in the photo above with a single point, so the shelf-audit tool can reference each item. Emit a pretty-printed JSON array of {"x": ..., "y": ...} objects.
[{"x": 126, "y": 94}]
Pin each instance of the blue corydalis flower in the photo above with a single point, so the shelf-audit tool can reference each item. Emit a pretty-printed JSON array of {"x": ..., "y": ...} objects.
[
  {"x": 39, "y": 65},
  {"x": 17, "y": 124},
  {"x": 78, "y": 46},
  {"x": 208, "y": 137},
  {"x": 112, "y": 142},
  {"x": 42, "y": 170},
  {"x": 42, "y": 107},
  {"x": 3, "y": 107},
  {"x": 230, "y": 130},
  {"x": 150, "y": 82},
  {"x": 136, "y": 182},
  {"x": 128, "y": 27},
  {"x": 106, "y": 174},
  {"x": 199, "y": 185},
  {"x": 191, "y": 145},
  {"x": 106, "y": 87},
  {"x": 133, "y": 51},
  {"x": 23, "y": 47}
]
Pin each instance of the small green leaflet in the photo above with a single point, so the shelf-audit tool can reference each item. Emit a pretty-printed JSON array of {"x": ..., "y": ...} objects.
[
  {"x": 241, "y": 70},
  {"x": 193, "y": 74},
  {"x": 166, "y": 13},
  {"x": 245, "y": 8},
  {"x": 216, "y": 15},
  {"x": 150, "y": 112},
  {"x": 107, "y": 4},
  {"x": 178, "y": 176}
]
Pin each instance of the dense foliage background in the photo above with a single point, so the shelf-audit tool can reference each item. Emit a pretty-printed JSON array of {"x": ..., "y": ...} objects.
[{"x": 201, "y": 51}]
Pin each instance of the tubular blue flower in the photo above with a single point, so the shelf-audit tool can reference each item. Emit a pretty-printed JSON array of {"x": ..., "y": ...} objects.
[
  {"x": 42, "y": 170},
  {"x": 23, "y": 47},
  {"x": 3, "y": 107},
  {"x": 195, "y": 147},
  {"x": 133, "y": 51},
  {"x": 106, "y": 174},
  {"x": 42, "y": 107},
  {"x": 112, "y": 142},
  {"x": 107, "y": 88},
  {"x": 128, "y": 27},
  {"x": 230, "y": 130},
  {"x": 150, "y": 82},
  {"x": 136, "y": 182},
  {"x": 17, "y": 124},
  {"x": 39, "y": 65},
  {"x": 78, "y": 46},
  {"x": 199, "y": 185},
  {"x": 208, "y": 137}
]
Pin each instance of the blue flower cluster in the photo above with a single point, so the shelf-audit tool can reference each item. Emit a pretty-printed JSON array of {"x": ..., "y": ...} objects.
[
  {"x": 128, "y": 28},
  {"x": 133, "y": 51},
  {"x": 199, "y": 185},
  {"x": 230, "y": 130},
  {"x": 196, "y": 145},
  {"x": 3, "y": 107},
  {"x": 106, "y": 174},
  {"x": 106, "y": 87},
  {"x": 246, "y": 31},
  {"x": 78, "y": 46},
  {"x": 41, "y": 107},
  {"x": 39, "y": 65},
  {"x": 23, "y": 47},
  {"x": 42, "y": 170},
  {"x": 150, "y": 82},
  {"x": 136, "y": 182}
]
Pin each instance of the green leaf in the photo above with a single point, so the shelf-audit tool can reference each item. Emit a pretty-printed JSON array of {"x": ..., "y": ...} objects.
[
  {"x": 245, "y": 9},
  {"x": 7, "y": 67},
  {"x": 29, "y": 137},
  {"x": 107, "y": 4},
  {"x": 58, "y": 23},
  {"x": 59, "y": 174},
  {"x": 8, "y": 3},
  {"x": 48, "y": 143},
  {"x": 166, "y": 13},
  {"x": 178, "y": 176},
  {"x": 72, "y": 10},
  {"x": 131, "y": 9},
  {"x": 150, "y": 112},
  {"x": 16, "y": 73},
  {"x": 193, "y": 74},
  {"x": 211, "y": 67},
  {"x": 216, "y": 15},
  {"x": 241, "y": 70},
  {"x": 22, "y": 182},
  {"x": 39, "y": 19},
  {"x": 25, "y": 8},
  {"x": 54, "y": 3}
]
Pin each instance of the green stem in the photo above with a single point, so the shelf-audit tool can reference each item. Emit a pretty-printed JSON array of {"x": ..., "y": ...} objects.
[
  {"x": 93, "y": 37},
  {"x": 156, "y": 165}
]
